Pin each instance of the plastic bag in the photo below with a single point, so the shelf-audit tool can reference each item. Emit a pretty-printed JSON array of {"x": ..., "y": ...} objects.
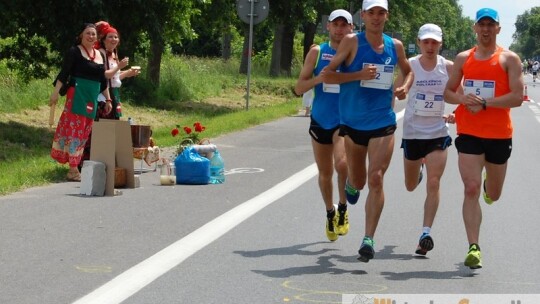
[{"x": 192, "y": 168}]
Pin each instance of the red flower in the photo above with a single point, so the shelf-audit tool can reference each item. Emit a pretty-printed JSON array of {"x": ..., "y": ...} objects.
[
  {"x": 190, "y": 137},
  {"x": 199, "y": 127}
]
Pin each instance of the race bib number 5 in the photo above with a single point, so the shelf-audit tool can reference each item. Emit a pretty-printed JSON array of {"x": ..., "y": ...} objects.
[
  {"x": 383, "y": 80},
  {"x": 482, "y": 88}
]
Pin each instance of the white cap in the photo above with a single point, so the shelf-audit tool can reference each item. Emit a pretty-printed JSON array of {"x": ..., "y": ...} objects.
[
  {"x": 340, "y": 13},
  {"x": 430, "y": 30},
  {"x": 368, "y": 4}
]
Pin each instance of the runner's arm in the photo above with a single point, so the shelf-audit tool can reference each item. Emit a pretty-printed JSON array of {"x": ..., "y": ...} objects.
[
  {"x": 405, "y": 71},
  {"x": 306, "y": 81},
  {"x": 512, "y": 64}
]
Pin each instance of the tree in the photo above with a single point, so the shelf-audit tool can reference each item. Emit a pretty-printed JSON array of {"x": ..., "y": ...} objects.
[
  {"x": 163, "y": 22},
  {"x": 214, "y": 31},
  {"x": 527, "y": 35},
  {"x": 35, "y": 40}
]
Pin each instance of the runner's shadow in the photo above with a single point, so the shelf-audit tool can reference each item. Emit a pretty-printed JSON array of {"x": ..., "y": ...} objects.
[
  {"x": 289, "y": 250},
  {"x": 324, "y": 263},
  {"x": 460, "y": 273},
  {"x": 387, "y": 253}
]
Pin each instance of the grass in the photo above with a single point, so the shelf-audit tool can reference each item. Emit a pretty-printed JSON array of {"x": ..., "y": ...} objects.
[{"x": 192, "y": 89}]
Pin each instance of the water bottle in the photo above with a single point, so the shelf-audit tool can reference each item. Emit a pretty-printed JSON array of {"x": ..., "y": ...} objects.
[{"x": 217, "y": 169}]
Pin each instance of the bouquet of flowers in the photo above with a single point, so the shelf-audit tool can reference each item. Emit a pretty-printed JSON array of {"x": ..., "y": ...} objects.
[{"x": 191, "y": 137}]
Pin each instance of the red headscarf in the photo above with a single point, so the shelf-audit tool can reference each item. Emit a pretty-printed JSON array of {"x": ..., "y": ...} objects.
[{"x": 103, "y": 28}]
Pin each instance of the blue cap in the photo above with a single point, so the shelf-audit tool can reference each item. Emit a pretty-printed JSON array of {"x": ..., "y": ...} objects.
[{"x": 487, "y": 13}]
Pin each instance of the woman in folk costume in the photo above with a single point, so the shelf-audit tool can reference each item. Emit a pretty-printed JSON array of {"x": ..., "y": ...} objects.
[
  {"x": 83, "y": 73},
  {"x": 107, "y": 43},
  {"x": 109, "y": 39}
]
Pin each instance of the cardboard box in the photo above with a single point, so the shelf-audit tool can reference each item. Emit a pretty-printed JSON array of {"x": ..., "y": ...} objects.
[{"x": 112, "y": 145}]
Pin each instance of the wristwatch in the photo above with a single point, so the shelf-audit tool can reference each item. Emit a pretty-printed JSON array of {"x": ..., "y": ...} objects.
[{"x": 484, "y": 103}]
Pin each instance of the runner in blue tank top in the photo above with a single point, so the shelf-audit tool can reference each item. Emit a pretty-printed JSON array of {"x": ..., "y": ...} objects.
[
  {"x": 328, "y": 147},
  {"x": 367, "y": 62},
  {"x": 367, "y": 104}
]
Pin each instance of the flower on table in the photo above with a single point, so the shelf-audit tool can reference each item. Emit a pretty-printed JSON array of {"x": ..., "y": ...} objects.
[{"x": 191, "y": 136}]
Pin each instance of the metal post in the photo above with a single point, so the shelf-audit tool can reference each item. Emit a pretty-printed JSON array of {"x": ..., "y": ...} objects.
[{"x": 252, "y": 3}]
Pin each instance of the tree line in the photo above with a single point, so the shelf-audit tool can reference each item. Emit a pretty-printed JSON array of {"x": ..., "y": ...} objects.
[
  {"x": 35, "y": 34},
  {"x": 527, "y": 35}
]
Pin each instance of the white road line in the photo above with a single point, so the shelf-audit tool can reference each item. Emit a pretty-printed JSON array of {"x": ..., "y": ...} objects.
[
  {"x": 534, "y": 108},
  {"x": 134, "y": 279}
]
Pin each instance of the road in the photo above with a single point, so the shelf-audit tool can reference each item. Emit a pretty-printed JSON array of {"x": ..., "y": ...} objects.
[{"x": 259, "y": 238}]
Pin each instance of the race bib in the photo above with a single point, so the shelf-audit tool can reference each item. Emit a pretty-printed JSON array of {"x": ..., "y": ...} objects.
[
  {"x": 428, "y": 104},
  {"x": 330, "y": 88},
  {"x": 383, "y": 80},
  {"x": 482, "y": 88}
]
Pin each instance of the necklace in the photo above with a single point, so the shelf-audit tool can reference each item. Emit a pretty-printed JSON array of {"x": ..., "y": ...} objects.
[{"x": 88, "y": 54}]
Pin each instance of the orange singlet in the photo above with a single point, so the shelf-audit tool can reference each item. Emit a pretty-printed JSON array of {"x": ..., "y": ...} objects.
[{"x": 488, "y": 79}]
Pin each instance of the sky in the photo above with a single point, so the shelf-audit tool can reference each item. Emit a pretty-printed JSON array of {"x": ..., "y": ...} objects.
[{"x": 508, "y": 11}]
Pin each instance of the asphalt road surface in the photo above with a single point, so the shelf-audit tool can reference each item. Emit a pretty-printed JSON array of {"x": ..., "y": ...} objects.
[{"x": 259, "y": 237}]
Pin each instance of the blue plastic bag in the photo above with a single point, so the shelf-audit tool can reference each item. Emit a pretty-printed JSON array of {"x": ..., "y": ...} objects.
[{"x": 192, "y": 168}]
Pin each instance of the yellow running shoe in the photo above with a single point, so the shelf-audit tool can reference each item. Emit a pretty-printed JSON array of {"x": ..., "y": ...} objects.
[
  {"x": 331, "y": 224},
  {"x": 473, "y": 260},
  {"x": 342, "y": 226}
]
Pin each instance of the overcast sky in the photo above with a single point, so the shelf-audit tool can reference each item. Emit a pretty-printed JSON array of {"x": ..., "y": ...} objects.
[{"x": 508, "y": 11}]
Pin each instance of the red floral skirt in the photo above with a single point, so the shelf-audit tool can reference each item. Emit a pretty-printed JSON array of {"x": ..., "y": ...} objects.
[{"x": 71, "y": 134}]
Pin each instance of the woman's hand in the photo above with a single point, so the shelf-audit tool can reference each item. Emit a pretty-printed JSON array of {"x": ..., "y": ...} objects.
[
  {"x": 53, "y": 99},
  {"x": 123, "y": 63},
  {"x": 108, "y": 106},
  {"x": 134, "y": 72}
]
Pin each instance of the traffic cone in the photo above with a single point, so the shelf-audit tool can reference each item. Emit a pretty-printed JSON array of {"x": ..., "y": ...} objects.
[{"x": 525, "y": 95}]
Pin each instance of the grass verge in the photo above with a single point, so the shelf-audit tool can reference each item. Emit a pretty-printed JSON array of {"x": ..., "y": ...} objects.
[
  {"x": 25, "y": 148},
  {"x": 209, "y": 91}
]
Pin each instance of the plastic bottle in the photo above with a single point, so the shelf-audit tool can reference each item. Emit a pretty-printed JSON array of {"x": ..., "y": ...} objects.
[{"x": 217, "y": 169}]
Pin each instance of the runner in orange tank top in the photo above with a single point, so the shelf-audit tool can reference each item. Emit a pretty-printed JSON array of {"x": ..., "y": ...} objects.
[{"x": 492, "y": 84}]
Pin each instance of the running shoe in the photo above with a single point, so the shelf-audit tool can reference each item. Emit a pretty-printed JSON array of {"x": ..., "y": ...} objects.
[
  {"x": 425, "y": 244},
  {"x": 352, "y": 194},
  {"x": 473, "y": 260},
  {"x": 421, "y": 174},
  {"x": 488, "y": 200},
  {"x": 366, "y": 250},
  {"x": 331, "y": 224},
  {"x": 342, "y": 227}
]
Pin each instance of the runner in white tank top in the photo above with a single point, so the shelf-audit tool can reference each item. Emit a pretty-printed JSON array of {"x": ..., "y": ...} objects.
[
  {"x": 425, "y": 130},
  {"x": 425, "y": 105}
]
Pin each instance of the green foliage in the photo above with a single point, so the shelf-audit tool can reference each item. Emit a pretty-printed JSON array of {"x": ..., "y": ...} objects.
[
  {"x": 526, "y": 38},
  {"x": 192, "y": 79},
  {"x": 29, "y": 55},
  {"x": 24, "y": 160},
  {"x": 195, "y": 28},
  {"x": 216, "y": 100},
  {"x": 406, "y": 17},
  {"x": 17, "y": 94}
]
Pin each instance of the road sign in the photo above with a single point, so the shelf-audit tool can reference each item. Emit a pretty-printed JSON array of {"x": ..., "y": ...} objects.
[
  {"x": 260, "y": 10},
  {"x": 357, "y": 20},
  {"x": 321, "y": 28},
  {"x": 251, "y": 12},
  {"x": 412, "y": 48}
]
